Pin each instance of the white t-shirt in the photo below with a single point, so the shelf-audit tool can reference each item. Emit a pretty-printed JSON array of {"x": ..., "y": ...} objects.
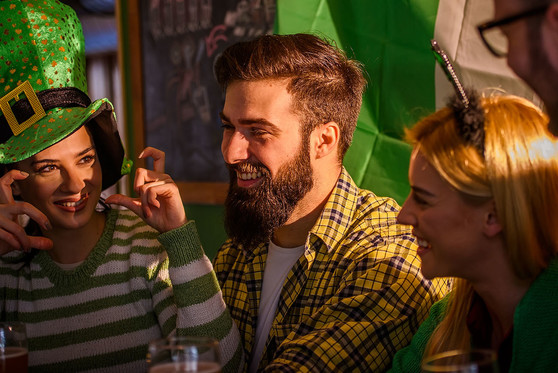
[{"x": 279, "y": 262}]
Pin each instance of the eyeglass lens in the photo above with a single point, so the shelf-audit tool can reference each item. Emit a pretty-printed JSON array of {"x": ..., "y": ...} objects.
[{"x": 497, "y": 40}]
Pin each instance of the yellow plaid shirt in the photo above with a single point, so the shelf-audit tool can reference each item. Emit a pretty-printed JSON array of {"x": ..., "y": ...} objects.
[{"x": 351, "y": 301}]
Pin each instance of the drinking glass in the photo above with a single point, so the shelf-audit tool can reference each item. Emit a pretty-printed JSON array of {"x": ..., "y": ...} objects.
[
  {"x": 461, "y": 361},
  {"x": 13, "y": 347},
  {"x": 184, "y": 354}
]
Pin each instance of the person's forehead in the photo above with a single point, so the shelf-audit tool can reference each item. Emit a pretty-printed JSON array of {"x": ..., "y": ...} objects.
[{"x": 504, "y": 8}]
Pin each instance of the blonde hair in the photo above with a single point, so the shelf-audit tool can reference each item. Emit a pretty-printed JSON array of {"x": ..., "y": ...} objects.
[{"x": 519, "y": 171}]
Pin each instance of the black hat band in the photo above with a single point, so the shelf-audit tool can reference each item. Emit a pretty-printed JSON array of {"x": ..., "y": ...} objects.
[{"x": 49, "y": 99}]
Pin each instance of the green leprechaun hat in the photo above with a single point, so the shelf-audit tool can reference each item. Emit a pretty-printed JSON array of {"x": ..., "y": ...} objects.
[{"x": 43, "y": 86}]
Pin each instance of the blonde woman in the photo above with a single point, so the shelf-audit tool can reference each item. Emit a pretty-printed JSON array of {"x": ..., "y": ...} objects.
[{"x": 482, "y": 205}]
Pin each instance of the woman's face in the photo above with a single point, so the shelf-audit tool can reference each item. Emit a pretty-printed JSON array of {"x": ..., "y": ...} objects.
[
  {"x": 448, "y": 228},
  {"x": 64, "y": 181}
]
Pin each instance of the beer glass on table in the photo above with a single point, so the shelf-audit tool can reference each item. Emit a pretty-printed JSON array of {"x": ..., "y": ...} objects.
[
  {"x": 462, "y": 361},
  {"x": 13, "y": 347},
  {"x": 184, "y": 354}
]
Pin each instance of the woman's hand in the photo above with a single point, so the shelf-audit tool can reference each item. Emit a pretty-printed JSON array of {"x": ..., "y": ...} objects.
[
  {"x": 159, "y": 203},
  {"x": 12, "y": 234}
]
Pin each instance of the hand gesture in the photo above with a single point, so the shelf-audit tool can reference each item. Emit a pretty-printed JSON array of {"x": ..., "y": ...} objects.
[
  {"x": 12, "y": 234},
  {"x": 159, "y": 203}
]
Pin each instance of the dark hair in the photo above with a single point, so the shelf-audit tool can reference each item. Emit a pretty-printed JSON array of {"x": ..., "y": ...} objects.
[{"x": 326, "y": 85}]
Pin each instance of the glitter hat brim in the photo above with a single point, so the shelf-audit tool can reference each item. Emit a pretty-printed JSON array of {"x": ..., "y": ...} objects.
[{"x": 59, "y": 123}]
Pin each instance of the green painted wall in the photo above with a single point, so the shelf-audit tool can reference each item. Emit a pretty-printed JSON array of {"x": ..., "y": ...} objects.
[{"x": 209, "y": 221}]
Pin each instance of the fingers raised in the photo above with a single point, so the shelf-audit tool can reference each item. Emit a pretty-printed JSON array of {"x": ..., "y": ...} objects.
[
  {"x": 6, "y": 182},
  {"x": 14, "y": 235},
  {"x": 158, "y": 158},
  {"x": 132, "y": 204}
]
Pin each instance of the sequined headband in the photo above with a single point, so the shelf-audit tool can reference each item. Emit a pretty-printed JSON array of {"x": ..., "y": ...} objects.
[{"x": 465, "y": 103}]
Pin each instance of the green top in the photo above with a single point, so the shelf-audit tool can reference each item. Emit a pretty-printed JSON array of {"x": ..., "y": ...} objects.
[{"x": 535, "y": 330}]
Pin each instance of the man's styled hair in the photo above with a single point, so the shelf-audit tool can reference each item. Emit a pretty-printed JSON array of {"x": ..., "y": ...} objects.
[{"x": 326, "y": 85}]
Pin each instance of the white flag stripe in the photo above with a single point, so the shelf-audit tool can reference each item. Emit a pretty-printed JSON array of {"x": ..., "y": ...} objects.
[
  {"x": 449, "y": 21},
  {"x": 456, "y": 31}
]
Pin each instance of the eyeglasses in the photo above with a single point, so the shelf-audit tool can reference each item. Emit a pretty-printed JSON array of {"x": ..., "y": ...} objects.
[{"x": 492, "y": 35}]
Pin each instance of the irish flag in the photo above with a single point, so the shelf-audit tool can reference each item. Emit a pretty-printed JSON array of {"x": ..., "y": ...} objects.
[{"x": 392, "y": 39}]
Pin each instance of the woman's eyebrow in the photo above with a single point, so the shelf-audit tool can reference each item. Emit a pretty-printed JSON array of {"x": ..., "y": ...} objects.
[{"x": 49, "y": 160}]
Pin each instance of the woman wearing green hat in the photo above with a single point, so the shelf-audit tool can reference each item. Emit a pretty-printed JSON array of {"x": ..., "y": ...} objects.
[{"x": 92, "y": 284}]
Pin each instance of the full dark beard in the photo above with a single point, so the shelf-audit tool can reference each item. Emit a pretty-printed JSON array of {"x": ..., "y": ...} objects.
[{"x": 253, "y": 214}]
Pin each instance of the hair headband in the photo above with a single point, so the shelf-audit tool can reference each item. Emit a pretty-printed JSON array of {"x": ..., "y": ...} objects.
[{"x": 465, "y": 104}]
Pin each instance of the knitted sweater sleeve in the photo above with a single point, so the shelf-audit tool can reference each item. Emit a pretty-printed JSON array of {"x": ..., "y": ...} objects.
[
  {"x": 200, "y": 308},
  {"x": 409, "y": 359}
]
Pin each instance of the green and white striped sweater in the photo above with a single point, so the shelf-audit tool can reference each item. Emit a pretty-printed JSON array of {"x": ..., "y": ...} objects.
[{"x": 136, "y": 285}]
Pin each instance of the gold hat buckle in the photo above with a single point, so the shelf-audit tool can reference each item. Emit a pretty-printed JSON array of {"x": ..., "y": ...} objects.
[{"x": 14, "y": 94}]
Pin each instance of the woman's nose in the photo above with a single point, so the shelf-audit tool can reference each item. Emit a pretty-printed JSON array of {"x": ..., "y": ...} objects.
[
  {"x": 74, "y": 180},
  {"x": 405, "y": 215}
]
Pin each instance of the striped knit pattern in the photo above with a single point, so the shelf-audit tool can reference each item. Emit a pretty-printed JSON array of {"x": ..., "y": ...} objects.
[{"x": 135, "y": 286}]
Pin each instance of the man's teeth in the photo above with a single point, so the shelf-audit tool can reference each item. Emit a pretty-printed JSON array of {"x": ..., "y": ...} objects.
[
  {"x": 250, "y": 175},
  {"x": 422, "y": 243}
]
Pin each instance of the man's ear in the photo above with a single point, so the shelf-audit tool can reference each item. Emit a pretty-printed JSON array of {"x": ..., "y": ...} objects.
[
  {"x": 325, "y": 139},
  {"x": 492, "y": 225}
]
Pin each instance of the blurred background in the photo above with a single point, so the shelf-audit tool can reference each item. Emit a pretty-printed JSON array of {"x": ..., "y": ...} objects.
[{"x": 153, "y": 59}]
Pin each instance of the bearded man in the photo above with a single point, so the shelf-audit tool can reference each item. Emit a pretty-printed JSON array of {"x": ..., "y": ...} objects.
[{"x": 316, "y": 272}]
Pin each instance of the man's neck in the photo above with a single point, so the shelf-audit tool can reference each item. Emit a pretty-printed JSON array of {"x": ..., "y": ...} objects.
[{"x": 295, "y": 231}]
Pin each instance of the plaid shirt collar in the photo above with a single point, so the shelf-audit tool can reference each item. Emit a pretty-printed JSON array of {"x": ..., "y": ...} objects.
[{"x": 333, "y": 223}]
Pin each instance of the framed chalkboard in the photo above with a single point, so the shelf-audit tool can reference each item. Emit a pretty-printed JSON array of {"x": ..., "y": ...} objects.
[{"x": 173, "y": 101}]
